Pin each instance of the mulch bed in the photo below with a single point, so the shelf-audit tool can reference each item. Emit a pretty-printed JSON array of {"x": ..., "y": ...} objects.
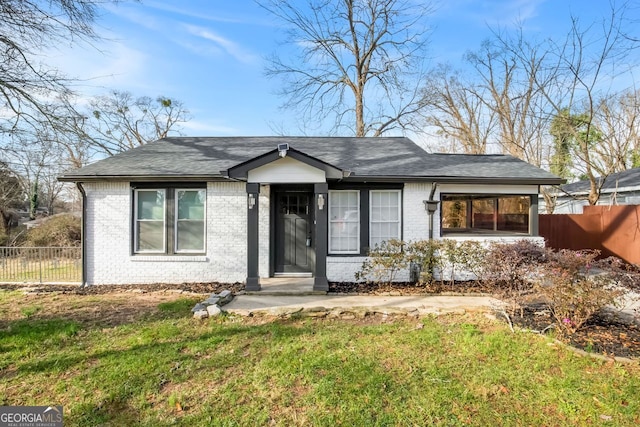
[
  {"x": 604, "y": 334},
  {"x": 197, "y": 288}
]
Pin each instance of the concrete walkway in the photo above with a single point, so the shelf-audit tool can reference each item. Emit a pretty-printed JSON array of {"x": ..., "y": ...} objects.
[{"x": 414, "y": 304}]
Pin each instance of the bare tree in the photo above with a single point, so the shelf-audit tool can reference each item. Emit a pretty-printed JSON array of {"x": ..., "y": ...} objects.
[
  {"x": 27, "y": 28},
  {"x": 458, "y": 111},
  {"x": 37, "y": 159},
  {"x": 618, "y": 119},
  {"x": 11, "y": 195},
  {"x": 359, "y": 62},
  {"x": 509, "y": 69},
  {"x": 118, "y": 122}
]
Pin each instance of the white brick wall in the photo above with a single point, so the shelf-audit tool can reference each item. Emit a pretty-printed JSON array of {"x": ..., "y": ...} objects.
[
  {"x": 109, "y": 223},
  {"x": 415, "y": 224},
  {"x": 108, "y": 240}
]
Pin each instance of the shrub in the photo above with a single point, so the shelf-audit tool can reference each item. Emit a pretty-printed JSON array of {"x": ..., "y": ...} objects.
[
  {"x": 59, "y": 230},
  {"x": 508, "y": 268},
  {"x": 573, "y": 291},
  {"x": 454, "y": 258},
  {"x": 423, "y": 253},
  {"x": 384, "y": 262}
]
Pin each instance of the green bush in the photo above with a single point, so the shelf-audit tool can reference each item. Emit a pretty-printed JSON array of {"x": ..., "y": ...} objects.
[
  {"x": 384, "y": 262},
  {"x": 59, "y": 230}
]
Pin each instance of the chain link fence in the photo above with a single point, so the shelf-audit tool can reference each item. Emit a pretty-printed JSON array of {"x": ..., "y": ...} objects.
[{"x": 40, "y": 265}]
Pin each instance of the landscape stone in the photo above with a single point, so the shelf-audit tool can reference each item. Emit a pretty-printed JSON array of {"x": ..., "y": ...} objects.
[
  {"x": 198, "y": 307},
  {"x": 225, "y": 297},
  {"x": 211, "y": 300},
  {"x": 201, "y": 314},
  {"x": 213, "y": 310}
]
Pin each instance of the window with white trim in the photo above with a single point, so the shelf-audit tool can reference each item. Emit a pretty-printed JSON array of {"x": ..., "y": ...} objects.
[
  {"x": 344, "y": 222},
  {"x": 169, "y": 220},
  {"x": 384, "y": 216}
]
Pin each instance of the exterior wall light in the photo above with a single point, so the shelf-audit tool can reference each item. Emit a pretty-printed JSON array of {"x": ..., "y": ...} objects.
[
  {"x": 320, "y": 201},
  {"x": 251, "y": 200}
]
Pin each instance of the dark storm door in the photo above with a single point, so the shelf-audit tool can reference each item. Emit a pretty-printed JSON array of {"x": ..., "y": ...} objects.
[{"x": 293, "y": 239}]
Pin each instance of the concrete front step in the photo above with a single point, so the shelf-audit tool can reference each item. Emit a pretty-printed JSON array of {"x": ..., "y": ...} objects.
[{"x": 291, "y": 292}]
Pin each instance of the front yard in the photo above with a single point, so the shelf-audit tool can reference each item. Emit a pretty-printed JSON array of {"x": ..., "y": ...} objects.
[{"x": 140, "y": 359}]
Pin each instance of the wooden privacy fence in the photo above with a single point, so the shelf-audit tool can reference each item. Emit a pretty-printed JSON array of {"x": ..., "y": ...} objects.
[
  {"x": 40, "y": 265},
  {"x": 614, "y": 230}
]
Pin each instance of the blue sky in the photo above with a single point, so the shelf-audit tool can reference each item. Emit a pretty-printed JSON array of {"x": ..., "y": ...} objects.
[{"x": 210, "y": 53}]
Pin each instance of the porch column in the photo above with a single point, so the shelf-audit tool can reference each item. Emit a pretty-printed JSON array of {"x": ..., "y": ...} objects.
[
  {"x": 321, "y": 206},
  {"x": 253, "y": 279}
]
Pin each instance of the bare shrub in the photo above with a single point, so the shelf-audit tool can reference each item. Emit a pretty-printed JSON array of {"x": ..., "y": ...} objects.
[
  {"x": 384, "y": 262},
  {"x": 574, "y": 292},
  {"x": 508, "y": 269},
  {"x": 59, "y": 230},
  {"x": 424, "y": 254}
]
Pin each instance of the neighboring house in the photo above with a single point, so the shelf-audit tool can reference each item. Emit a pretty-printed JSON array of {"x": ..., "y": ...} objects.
[
  {"x": 246, "y": 208},
  {"x": 622, "y": 188}
]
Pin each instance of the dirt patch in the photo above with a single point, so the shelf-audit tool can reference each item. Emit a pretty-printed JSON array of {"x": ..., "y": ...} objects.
[
  {"x": 103, "y": 311},
  {"x": 409, "y": 288}
]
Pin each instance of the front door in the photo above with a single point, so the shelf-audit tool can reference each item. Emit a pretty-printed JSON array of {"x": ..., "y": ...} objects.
[{"x": 293, "y": 236}]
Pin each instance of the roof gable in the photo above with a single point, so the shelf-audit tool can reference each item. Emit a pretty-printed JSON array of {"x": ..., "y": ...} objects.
[{"x": 242, "y": 170}]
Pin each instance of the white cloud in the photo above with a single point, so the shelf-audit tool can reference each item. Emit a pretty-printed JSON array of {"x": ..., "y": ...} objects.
[
  {"x": 115, "y": 65},
  {"x": 228, "y": 46}
]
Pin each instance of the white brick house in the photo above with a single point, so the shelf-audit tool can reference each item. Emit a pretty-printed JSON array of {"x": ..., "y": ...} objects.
[{"x": 242, "y": 209}]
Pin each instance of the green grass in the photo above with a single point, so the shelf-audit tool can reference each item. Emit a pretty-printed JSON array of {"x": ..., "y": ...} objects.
[{"x": 168, "y": 369}]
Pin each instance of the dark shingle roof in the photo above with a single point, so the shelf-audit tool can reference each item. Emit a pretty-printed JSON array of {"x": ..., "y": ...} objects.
[
  {"x": 628, "y": 178},
  {"x": 385, "y": 157}
]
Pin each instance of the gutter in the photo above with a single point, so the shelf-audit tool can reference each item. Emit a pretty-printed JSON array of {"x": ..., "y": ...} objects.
[{"x": 83, "y": 257}]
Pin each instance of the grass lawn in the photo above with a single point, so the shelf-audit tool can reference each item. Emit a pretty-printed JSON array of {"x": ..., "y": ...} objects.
[{"x": 156, "y": 366}]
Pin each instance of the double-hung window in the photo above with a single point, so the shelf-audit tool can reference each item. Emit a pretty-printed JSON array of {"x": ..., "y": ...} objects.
[
  {"x": 344, "y": 222},
  {"x": 169, "y": 220},
  {"x": 362, "y": 219},
  {"x": 150, "y": 219},
  {"x": 384, "y": 216}
]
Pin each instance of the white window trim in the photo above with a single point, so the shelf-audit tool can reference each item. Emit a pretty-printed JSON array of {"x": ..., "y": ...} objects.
[
  {"x": 357, "y": 250},
  {"x": 176, "y": 219},
  {"x": 137, "y": 221},
  {"x": 399, "y": 221}
]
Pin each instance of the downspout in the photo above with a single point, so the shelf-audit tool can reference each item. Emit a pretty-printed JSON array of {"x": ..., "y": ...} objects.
[
  {"x": 83, "y": 258},
  {"x": 431, "y": 206}
]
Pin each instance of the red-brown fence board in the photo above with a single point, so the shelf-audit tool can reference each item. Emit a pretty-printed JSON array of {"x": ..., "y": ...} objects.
[{"x": 614, "y": 230}]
